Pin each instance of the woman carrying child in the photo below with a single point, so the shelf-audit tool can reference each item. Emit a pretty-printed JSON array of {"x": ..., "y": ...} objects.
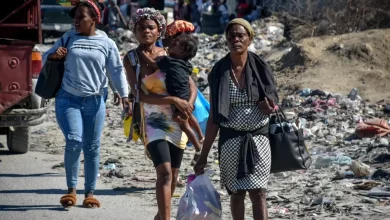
[{"x": 163, "y": 138}]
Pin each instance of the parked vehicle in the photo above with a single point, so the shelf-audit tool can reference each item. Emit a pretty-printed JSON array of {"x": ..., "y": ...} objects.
[
  {"x": 20, "y": 65},
  {"x": 55, "y": 20}
]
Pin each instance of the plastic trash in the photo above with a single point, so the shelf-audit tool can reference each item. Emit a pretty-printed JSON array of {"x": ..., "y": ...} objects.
[
  {"x": 353, "y": 94},
  {"x": 200, "y": 201},
  {"x": 190, "y": 178},
  {"x": 324, "y": 161},
  {"x": 201, "y": 111},
  {"x": 203, "y": 100},
  {"x": 305, "y": 92},
  {"x": 110, "y": 166},
  {"x": 360, "y": 169}
]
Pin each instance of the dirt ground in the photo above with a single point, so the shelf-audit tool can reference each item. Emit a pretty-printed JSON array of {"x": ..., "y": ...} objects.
[{"x": 338, "y": 64}]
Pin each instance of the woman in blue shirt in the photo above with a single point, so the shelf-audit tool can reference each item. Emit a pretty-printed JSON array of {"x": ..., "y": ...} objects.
[{"x": 80, "y": 107}]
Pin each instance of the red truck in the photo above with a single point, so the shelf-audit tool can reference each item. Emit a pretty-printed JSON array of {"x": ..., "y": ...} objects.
[{"x": 20, "y": 65}]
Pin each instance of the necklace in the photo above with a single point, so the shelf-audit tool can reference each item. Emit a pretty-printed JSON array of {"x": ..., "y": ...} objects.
[{"x": 239, "y": 84}]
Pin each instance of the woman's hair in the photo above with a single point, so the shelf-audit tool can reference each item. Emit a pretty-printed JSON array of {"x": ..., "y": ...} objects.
[
  {"x": 93, "y": 12},
  {"x": 189, "y": 44},
  {"x": 148, "y": 14}
]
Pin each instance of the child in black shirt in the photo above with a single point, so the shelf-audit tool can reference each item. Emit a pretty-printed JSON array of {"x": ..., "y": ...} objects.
[{"x": 177, "y": 71}]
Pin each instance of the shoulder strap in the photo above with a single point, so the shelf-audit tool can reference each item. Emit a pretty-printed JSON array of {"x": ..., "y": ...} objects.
[
  {"x": 67, "y": 41},
  {"x": 134, "y": 61}
]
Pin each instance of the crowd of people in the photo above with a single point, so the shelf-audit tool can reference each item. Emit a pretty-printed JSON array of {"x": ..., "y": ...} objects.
[
  {"x": 161, "y": 101},
  {"x": 191, "y": 11},
  {"x": 117, "y": 15}
]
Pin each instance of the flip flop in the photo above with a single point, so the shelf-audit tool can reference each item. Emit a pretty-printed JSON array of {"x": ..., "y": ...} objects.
[
  {"x": 68, "y": 198},
  {"x": 91, "y": 201}
]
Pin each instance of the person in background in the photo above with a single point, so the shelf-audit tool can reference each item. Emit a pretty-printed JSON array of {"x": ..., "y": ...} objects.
[
  {"x": 196, "y": 8},
  {"x": 254, "y": 13},
  {"x": 156, "y": 4},
  {"x": 114, "y": 15},
  {"x": 182, "y": 11},
  {"x": 223, "y": 9},
  {"x": 79, "y": 104},
  {"x": 242, "y": 96},
  {"x": 243, "y": 8}
]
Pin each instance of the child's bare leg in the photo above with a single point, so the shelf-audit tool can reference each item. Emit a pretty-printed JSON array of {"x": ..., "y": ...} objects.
[
  {"x": 195, "y": 125},
  {"x": 186, "y": 128}
]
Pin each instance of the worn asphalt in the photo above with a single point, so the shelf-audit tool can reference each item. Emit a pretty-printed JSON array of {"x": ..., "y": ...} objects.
[{"x": 30, "y": 189}]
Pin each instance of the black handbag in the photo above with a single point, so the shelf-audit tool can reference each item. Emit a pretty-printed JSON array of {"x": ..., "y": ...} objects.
[
  {"x": 288, "y": 148},
  {"x": 50, "y": 77}
]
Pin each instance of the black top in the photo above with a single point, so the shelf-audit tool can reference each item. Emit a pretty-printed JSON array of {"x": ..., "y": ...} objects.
[
  {"x": 177, "y": 74},
  {"x": 260, "y": 81}
]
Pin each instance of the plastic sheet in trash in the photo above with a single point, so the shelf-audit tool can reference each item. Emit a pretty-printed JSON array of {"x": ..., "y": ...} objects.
[{"x": 200, "y": 201}]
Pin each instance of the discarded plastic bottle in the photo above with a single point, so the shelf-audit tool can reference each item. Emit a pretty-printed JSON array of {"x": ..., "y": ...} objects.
[
  {"x": 305, "y": 92},
  {"x": 110, "y": 166},
  {"x": 353, "y": 94}
]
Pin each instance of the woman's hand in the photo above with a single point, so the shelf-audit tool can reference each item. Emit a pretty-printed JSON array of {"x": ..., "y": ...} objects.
[
  {"x": 61, "y": 52},
  {"x": 266, "y": 106},
  {"x": 127, "y": 107},
  {"x": 200, "y": 165},
  {"x": 183, "y": 106},
  {"x": 179, "y": 117},
  {"x": 117, "y": 99}
]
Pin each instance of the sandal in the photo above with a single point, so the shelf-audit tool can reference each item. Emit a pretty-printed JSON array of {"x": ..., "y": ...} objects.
[
  {"x": 91, "y": 202},
  {"x": 68, "y": 200},
  {"x": 196, "y": 158}
]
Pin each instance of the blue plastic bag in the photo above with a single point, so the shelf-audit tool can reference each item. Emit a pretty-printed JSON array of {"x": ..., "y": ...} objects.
[
  {"x": 201, "y": 112},
  {"x": 202, "y": 107}
]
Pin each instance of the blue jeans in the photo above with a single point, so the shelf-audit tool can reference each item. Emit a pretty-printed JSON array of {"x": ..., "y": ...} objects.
[
  {"x": 81, "y": 120},
  {"x": 105, "y": 94}
]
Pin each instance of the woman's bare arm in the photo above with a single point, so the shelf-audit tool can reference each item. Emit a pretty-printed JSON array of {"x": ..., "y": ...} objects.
[{"x": 212, "y": 130}]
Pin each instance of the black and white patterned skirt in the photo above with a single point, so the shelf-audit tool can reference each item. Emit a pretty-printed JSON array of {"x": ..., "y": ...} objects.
[{"x": 229, "y": 159}]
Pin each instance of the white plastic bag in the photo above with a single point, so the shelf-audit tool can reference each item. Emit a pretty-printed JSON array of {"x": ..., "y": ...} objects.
[{"x": 200, "y": 202}]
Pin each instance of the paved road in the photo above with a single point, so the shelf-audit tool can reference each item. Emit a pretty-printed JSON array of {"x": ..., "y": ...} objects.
[{"x": 30, "y": 189}]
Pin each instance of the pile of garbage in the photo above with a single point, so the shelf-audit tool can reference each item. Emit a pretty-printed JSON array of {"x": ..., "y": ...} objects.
[
  {"x": 349, "y": 142},
  {"x": 124, "y": 39},
  {"x": 269, "y": 33}
]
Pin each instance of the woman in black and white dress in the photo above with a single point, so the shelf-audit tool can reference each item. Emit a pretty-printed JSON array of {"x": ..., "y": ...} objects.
[{"x": 243, "y": 93}]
